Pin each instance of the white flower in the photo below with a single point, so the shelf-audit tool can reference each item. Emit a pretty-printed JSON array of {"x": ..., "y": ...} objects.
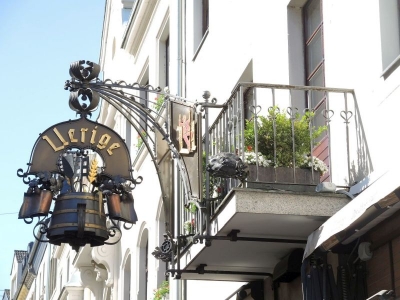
[
  {"x": 251, "y": 158},
  {"x": 189, "y": 226},
  {"x": 315, "y": 163}
]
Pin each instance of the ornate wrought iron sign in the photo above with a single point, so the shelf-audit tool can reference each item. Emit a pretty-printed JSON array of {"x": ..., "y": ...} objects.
[{"x": 84, "y": 168}]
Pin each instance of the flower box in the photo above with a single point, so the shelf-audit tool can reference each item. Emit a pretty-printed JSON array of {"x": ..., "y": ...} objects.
[{"x": 283, "y": 175}]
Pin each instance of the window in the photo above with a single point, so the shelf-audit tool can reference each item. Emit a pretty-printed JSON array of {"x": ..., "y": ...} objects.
[
  {"x": 128, "y": 135},
  {"x": 146, "y": 269},
  {"x": 161, "y": 230},
  {"x": 14, "y": 285},
  {"x": 127, "y": 278},
  {"x": 201, "y": 22},
  {"x": 314, "y": 57},
  {"x": 205, "y": 15},
  {"x": 52, "y": 276},
  {"x": 68, "y": 262},
  {"x": 390, "y": 34},
  {"x": 144, "y": 97},
  {"x": 163, "y": 52},
  {"x": 167, "y": 58},
  {"x": 143, "y": 265},
  {"x": 314, "y": 65}
]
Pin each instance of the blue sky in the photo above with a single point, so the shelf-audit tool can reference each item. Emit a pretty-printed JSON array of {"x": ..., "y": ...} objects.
[{"x": 38, "y": 41}]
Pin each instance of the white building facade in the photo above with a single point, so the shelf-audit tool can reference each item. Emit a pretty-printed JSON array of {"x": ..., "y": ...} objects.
[
  {"x": 259, "y": 238},
  {"x": 282, "y": 48}
]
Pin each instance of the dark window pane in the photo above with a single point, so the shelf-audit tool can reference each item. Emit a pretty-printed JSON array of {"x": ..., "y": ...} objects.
[
  {"x": 314, "y": 52},
  {"x": 312, "y": 15},
  {"x": 144, "y": 102},
  {"x": 205, "y": 16},
  {"x": 167, "y": 62},
  {"x": 247, "y": 103},
  {"x": 316, "y": 80},
  {"x": 319, "y": 119}
]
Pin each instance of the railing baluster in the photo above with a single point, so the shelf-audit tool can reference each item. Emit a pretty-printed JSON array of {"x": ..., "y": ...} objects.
[{"x": 347, "y": 118}]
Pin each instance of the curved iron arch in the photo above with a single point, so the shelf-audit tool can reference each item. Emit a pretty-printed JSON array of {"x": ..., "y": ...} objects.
[{"x": 85, "y": 86}]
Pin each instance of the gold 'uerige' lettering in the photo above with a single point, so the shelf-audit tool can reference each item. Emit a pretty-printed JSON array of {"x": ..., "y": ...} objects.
[
  {"x": 102, "y": 143},
  {"x": 94, "y": 131},
  {"x": 71, "y": 133},
  {"x": 46, "y": 138},
  {"x": 83, "y": 134},
  {"x": 58, "y": 134},
  {"x": 112, "y": 147},
  {"x": 105, "y": 138}
]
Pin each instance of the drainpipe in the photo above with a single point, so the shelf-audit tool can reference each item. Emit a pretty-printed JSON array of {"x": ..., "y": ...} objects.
[
  {"x": 177, "y": 284},
  {"x": 179, "y": 46},
  {"x": 177, "y": 224}
]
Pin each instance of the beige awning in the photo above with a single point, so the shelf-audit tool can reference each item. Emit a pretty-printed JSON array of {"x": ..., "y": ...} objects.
[{"x": 376, "y": 203}]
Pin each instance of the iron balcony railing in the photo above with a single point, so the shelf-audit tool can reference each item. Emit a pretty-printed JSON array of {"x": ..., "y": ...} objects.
[{"x": 278, "y": 125}]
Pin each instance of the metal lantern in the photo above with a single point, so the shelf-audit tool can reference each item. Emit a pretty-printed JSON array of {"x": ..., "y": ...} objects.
[
  {"x": 121, "y": 208},
  {"x": 36, "y": 203}
]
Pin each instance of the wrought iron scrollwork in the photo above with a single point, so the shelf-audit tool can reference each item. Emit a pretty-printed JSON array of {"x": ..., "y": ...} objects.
[
  {"x": 82, "y": 72},
  {"x": 112, "y": 233},
  {"x": 167, "y": 249},
  {"x": 42, "y": 229},
  {"x": 346, "y": 116}
]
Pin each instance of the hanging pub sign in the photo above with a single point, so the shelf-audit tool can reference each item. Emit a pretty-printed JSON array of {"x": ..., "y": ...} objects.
[
  {"x": 84, "y": 169},
  {"x": 81, "y": 165},
  {"x": 185, "y": 132}
]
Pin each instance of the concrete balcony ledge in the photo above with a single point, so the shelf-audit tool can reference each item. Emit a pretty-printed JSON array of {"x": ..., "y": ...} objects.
[
  {"x": 285, "y": 217},
  {"x": 286, "y": 202}
]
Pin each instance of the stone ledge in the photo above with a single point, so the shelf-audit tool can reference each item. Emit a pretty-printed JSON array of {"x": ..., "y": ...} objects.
[{"x": 288, "y": 203}]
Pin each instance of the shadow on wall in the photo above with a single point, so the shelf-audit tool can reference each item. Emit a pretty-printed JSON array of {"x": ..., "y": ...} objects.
[{"x": 363, "y": 166}]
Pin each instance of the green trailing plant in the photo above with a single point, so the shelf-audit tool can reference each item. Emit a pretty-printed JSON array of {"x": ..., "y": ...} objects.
[
  {"x": 284, "y": 137},
  {"x": 140, "y": 140},
  {"x": 162, "y": 291},
  {"x": 159, "y": 100},
  {"x": 192, "y": 208},
  {"x": 212, "y": 179}
]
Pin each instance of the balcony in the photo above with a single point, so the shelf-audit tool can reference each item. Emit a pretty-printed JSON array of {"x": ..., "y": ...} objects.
[{"x": 243, "y": 228}]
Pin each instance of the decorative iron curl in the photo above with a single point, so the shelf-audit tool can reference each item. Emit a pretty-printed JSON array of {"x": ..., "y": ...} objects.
[
  {"x": 171, "y": 272},
  {"x": 328, "y": 114},
  {"x": 292, "y": 111},
  {"x": 42, "y": 229},
  {"x": 112, "y": 232},
  {"x": 346, "y": 115},
  {"x": 85, "y": 94},
  {"x": 202, "y": 239},
  {"x": 136, "y": 181},
  {"x": 24, "y": 175},
  {"x": 273, "y": 111},
  {"x": 126, "y": 227},
  {"x": 83, "y": 73},
  {"x": 28, "y": 220}
]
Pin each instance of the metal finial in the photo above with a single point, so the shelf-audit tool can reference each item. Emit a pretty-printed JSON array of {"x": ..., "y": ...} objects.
[{"x": 206, "y": 95}]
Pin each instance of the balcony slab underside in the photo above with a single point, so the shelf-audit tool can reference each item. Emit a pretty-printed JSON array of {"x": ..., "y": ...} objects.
[{"x": 284, "y": 219}]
